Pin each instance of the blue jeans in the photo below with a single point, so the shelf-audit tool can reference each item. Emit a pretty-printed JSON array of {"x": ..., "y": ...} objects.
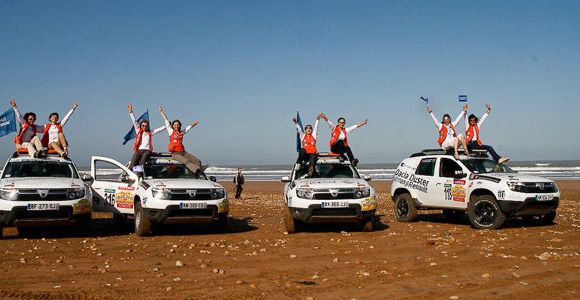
[{"x": 488, "y": 148}]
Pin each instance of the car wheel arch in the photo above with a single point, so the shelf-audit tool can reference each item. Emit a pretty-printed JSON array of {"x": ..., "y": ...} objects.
[
  {"x": 400, "y": 191},
  {"x": 479, "y": 192}
]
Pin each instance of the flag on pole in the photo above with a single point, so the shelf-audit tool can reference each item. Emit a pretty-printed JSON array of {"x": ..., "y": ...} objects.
[
  {"x": 424, "y": 99},
  {"x": 8, "y": 122},
  {"x": 131, "y": 134},
  {"x": 298, "y": 141},
  {"x": 462, "y": 98}
]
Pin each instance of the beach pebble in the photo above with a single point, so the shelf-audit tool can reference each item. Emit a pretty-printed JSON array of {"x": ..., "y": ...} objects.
[
  {"x": 486, "y": 276},
  {"x": 179, "y": 263},
  {"x": 544, "y": 256}
]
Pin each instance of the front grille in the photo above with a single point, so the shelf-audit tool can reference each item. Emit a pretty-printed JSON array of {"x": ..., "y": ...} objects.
[
  {"x": 538, "y": 187},
  {"x": 183, "y": 194},
  {"x": 34, "y": 195},
  {"x": 334, "y": 212},
  {"x": 324, "y": 194}
]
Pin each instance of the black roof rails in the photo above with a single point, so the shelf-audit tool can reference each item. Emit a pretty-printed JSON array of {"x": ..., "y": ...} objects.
[
  {"x": 160, "y": 154},
  {"x": 474, "y": 152}
]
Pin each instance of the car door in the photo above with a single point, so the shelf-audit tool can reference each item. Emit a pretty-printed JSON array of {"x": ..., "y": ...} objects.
[
  {"x": 113, "y": 187},
  {"x": 451, "y": 184},
  {"x": 423, "y": 181}
]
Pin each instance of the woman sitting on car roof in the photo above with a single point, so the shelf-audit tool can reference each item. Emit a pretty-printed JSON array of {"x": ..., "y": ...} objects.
[
  {"x": 339, "y": 138},
  {"x": 176, "y": 147},
  {"x": 27, "y": 137},
  {"x": 144, "y": 141},
  {"x": 448, "y": 137},
  {"x": 308, "y": 151},
  {"x": 53, "y": 137},
  {"x": 472, "y": 123}
]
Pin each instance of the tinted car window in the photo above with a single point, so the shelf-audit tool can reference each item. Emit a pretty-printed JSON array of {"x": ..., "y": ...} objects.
[
  {"x": 426, "y": 167},
  {"x": 449, "y": 168}
]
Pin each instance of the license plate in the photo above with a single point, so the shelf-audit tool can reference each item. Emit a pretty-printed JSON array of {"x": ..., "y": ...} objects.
[
  {"x": 193, "y": 205},
  {"x": 334, "y": 204},
  {"x": 43, "y": 206},
  {"x": 544, "y": 197}
]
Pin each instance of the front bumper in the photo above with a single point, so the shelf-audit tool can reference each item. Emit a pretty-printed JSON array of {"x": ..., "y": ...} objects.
[
  {"x": 172, "y": 214},
  {"x": 316, "y": 214},
  {"x": 529, "y": 207},
  {"x": 21, "y": 216}
]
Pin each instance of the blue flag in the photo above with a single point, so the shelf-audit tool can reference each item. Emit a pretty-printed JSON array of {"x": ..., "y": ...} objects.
[
  {"x": 462, "y": 98},
  {"x": 131, "y": 134},
  {"x": 8, "y": 122},
  {"x": 298, "y": 141}
]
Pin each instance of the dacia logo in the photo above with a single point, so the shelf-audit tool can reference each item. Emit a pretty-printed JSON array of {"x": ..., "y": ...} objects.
[
  {"x": 191, "y": 193},
  {"x": 42, "y": 193},
  {"x": 333, "y": 192}
]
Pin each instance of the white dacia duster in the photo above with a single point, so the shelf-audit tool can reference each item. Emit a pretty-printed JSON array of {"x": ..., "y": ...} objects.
[
  {"x": 336, "y": 193},
  {"x": 488, "y": 192},
  {"x": 168, "y": 193},
  {"x": 43, "y": 191}
]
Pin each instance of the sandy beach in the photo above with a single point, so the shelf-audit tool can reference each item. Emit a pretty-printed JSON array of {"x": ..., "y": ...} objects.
[{"x": 254, "y": 258}]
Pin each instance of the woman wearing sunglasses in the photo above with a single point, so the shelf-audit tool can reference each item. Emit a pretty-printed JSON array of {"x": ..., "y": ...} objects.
[
  {"x": 308, "y": 151},
  {"x": 176, "y": 147},
  {"x": 339, "y": 138},
  {"x": 448, "y": 138},
  {"x": 144, "y": 141},
  {"x": 473, "y": 124},
  {"x": 53, "y": 137},
  {"x": 27, "y": 137}
]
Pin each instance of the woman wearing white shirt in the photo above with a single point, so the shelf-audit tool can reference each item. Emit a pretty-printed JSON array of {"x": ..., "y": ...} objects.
[
  {"x": 144, "y": 141},
  {"x": 448, "y": 137},
  {"x": 53, "y": 137},
  {"x": 339, "y": 138}
]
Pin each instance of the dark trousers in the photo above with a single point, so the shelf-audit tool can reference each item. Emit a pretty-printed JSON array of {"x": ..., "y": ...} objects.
[
  {"x": 140, "y": 157},
  {"x": 340, "y": 148},
  {"x": 306, "y": 157},
  {"x": 488, "y": 148},
  {"x": 239, "y": 189}
]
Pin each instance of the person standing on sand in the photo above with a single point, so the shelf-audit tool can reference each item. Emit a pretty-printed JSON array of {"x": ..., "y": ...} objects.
[
  {"x": 448, "y": 138},
  {"x": 239, "y": 182},
  {"x": 472, "y": 123}
]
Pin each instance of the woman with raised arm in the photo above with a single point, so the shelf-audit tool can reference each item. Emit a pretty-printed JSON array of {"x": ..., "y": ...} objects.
[
  {"x": 144, "y": 141},
  {"x": 176, "y": 147},
  {"x": 473, "y": 124},
  {"x": 448, "y": 138},
  {"x": 27, "y": 137},
  {"x": 308, "y": 151},
  {"x": 53, "y": 137},
  {"x": 339, "y": 138}
]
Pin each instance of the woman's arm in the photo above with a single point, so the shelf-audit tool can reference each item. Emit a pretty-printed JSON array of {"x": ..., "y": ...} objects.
[
  {"x": 130, "y": 109},
  {"x": 297, "y": 127},
  {"x": 166, "y": 120},
  {"x": 484, "y": 116},
  {"x": 188, "y": 128},
  {"x": 437, "y": 123},
  {"x": 361, "y": 124},
  {"x": 461, "y": 114},
  {"x": 157, "y": 130},
  {"x": 17, "y": 112},
  {"x": 70, "y": 112}
]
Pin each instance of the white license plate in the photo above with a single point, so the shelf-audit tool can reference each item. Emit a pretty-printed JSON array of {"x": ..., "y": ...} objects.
[
  {"x": 43, "y": 206},
  {"x": 334, "y": 204},
  {"x": 544, "y": 197},
  {"x": 192, "y": 205}
]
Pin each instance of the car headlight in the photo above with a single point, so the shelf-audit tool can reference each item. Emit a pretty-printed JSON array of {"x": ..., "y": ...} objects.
[
  {"x": 218, "y": 193},
  {"x": 305, "y": 193},
  {"x": 75, "y": 193},
  {"x": 10, "y": 194},
  {"x": 161, "y": 193},
  {"x": 362, "y": 192},
  {"x": 516, "y": 186}
]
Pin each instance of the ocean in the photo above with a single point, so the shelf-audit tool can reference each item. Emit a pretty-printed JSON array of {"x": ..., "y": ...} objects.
[{"x": 558, "y": 170}]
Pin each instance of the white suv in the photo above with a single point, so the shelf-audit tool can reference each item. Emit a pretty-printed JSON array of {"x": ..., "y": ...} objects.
[
  {"x": 43, "y": 191},
  {"x": 168, "y": 193},
  {"x": 336, "y": 193},
  {"x": 488, "y": 192}
]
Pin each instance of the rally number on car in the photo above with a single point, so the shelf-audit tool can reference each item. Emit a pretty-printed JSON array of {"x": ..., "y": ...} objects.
[
  {"x": 192, "y": 205},
  {"x": 42, "y": 206},
  {"x": 334, "y": 204}
]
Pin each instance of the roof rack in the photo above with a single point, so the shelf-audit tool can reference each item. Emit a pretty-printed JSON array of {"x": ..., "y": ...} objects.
[
  {"x": 328, "y": 154},
  {"x": 474, "y": 152},
  {"x": 23, "y": 152},
  {"x": 160, "y": 154}
]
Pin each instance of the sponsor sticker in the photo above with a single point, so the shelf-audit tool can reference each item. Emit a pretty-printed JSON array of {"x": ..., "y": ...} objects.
[
  {"x": 224, "y": 206},
  {"x": 501, "y": 195},
  {"x": 459, "y": 181},
  {"x": 124, "y": 199},
  {"x": 458, "y": 193},
  {"x": 369, "y": 203}
]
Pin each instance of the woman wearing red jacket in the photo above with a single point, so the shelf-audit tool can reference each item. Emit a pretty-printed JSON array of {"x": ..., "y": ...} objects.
[{"x": 176, "y": 147}]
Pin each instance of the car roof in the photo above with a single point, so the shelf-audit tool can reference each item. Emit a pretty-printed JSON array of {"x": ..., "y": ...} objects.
[{"x": 49, "y": 158}]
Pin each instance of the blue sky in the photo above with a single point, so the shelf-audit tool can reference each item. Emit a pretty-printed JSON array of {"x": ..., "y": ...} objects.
[{"x": 244, "y": 67}]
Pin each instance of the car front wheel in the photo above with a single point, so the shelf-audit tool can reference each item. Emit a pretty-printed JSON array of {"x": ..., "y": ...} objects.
[
  {"x": 142, "y": 223},
  {"x": 484, "y": 212},
  {"x": 289, "y": 222}
]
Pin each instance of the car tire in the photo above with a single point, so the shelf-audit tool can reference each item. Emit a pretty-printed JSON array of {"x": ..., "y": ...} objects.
[
  {"x": 289, "y": 222},
  {"x": 142, "y": 223},
  {"x": 369, "y": 225},
  {"x": 484, "y": 212},
  {"x": 546, "y": 219},
  {"x": 453, "y": 215},
  {"x": 1, "y": 232},
  {"x": 405, "y": 209}
]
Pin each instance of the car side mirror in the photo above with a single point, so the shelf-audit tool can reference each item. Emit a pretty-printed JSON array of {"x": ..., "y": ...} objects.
[
  {"x": 87, "y": 178},
  {"x": 212, "y": 178},
  {"x": 459, "y": 175},
  {"x": 367, "y": 177},
  {"x": 285, "y": 179}
]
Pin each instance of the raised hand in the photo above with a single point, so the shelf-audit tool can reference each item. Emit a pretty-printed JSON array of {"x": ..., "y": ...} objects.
[
  {"x": 75, "y": 105},
  {"x": 488, "y": 107},
  {"x": 195, "y": 123},
  {"x": 12, "y": 102},
  {"x": 160, "y": 109},
  {"x": 130, "y": 107},
  {"x": 465, "y": 107},
  {"x": 429, "y": 110},
  {"x": 365, "y": 122},
  {"x": 294, "y": 120}
]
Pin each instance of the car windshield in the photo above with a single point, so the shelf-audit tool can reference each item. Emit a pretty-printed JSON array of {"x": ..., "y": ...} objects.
[
  {"x": 328, "y": 170},
  {"x": 166, "y": 171},
  {"x": 40, "y": 168},
  {"x": 482, "y": 166}
]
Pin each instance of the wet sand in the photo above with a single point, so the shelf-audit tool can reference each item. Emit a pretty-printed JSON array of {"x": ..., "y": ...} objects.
[{"x": 432, "y": 258}]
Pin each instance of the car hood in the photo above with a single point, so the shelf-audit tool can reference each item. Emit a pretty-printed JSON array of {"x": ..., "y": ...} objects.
[
  {"x": 41, "y": 183},
  {"x": 183, "y": 183},
  {"x": 515, "y": 177},
  {"x": 326, "y": 183}
]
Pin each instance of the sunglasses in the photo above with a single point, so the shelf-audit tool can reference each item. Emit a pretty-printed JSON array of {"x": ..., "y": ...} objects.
[{"x": 341, "y": 122}]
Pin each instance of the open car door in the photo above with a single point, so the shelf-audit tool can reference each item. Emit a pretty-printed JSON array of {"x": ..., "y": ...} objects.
[{"x": 114, "y": 186}]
